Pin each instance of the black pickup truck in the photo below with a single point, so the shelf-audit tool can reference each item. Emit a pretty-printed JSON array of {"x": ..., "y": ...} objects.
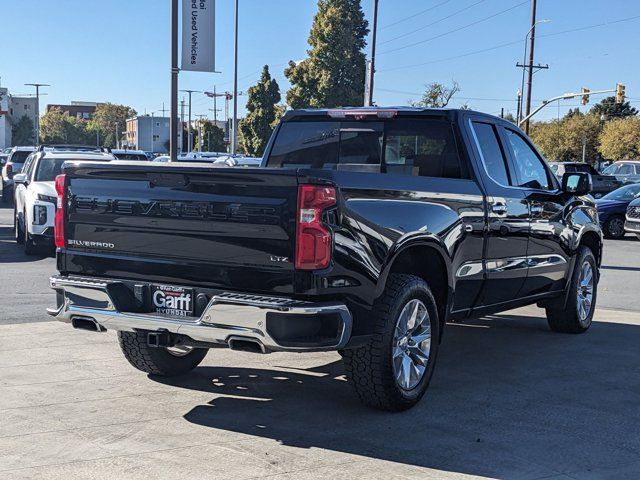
[{"x": 364, "y": 231}]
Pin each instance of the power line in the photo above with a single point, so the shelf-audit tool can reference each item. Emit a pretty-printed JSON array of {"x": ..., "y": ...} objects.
[
  {"x": 432, "y": 23},
  {"x": 507, "y": 44},
  {"x": 414, "y": 15},
  {"x": 596, "y": 25},
  {"x": 445, "y": 59},
  {"x": 456, "y": 29}
]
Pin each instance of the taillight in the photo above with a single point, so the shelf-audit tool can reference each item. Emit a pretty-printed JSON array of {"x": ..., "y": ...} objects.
[
  {"x": 61, "y": 183},
  {"x": 9, "y": 171},
  {"x": 313, "y": 240}
]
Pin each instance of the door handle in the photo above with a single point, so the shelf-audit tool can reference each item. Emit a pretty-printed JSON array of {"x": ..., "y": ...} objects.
[{"x": 499, "y": 208}]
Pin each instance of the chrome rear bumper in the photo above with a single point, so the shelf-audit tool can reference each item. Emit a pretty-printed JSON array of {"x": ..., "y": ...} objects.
[{"x": 228, "y": 316}]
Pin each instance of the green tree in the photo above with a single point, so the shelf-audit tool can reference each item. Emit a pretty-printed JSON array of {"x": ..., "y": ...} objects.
[
  {"x": 333, "y": 74},
  {"x": 563, "y": 140},
  {"x": 256, "y": 128},
  {"x": 105, "y": 118},
  {"x": 212, "y": 138},
  {"x": 437, "y": 95},
  {"x": 23, "y": 132},
  {"x": 572, "y": 112},
  {"x": 612, "y": 110},
  {"x": 57, "y": 126},
  {"x": 53, "y": 126},
  {"x": 620, "y": 139}
]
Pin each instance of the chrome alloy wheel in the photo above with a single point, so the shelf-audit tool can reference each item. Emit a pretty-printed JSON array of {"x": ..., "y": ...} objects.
[
  {"x": 179, "y": 350},
  {"x": 585, "y": 292},
  {"x": 411, "y": 344}
]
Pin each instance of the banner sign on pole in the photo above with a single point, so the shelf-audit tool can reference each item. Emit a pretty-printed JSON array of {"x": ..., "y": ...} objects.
[{"x": 198, "y": 35}]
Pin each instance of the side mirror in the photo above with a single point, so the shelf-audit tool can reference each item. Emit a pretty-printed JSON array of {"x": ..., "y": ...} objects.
[
  {"x": 577, "y": 183},
  {"x": 20, "y": 179}
]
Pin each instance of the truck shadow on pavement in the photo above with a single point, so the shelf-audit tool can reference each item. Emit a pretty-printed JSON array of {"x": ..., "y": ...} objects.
[{"x": 509, "y": 398}]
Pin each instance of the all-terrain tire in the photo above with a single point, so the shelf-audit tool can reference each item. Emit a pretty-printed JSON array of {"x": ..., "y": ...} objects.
[
  {"x": 370, "y": 368},
  {"x": 157, "y": 360},
  {"x": 565, "y": 317}
]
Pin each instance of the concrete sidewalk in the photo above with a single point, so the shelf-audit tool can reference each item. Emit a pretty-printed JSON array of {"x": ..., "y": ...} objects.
[{"x": 509, "y": 399}]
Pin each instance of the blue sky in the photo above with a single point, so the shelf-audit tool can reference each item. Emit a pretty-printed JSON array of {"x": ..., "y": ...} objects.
[{"x": 118, "y": 50}]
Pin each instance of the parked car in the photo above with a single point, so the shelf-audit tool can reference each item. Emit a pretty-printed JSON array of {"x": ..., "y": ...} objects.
[
  {"x": 35, "y": 196},
  {"x": 632, "y": 220},
  {"x": 4, "y": 154},
  {"x": 367, "y": 231},
  {"x": 602, "y": 184},
  {"x": 237, "y": 161},
  {"x": 625, "y": 170},
  {"x": 12, "y": 166},
  {"x": 130, "y": 155},
  {"x": 612, "y": 208}
]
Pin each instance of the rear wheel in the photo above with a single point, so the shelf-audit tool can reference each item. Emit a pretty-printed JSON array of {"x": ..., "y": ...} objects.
[
  {"x": 580, "y": 302},
  {"x": 614, "y": 227},
  {"x": 160, "y": 361},
  {"x": 392, "y": 372}
]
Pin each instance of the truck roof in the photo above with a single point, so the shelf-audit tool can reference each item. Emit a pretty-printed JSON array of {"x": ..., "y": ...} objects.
[{"x": 380, "y": 112}]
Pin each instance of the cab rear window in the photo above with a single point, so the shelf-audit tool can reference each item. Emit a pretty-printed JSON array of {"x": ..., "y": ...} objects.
[{"x": 406, "y": 146}]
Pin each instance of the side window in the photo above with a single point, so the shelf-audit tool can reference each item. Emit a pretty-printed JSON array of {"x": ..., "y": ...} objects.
[
  {"x": 626, "y": 169},
  {"x": 530, "y": 169},
  {"x": 28, "y": 166},
  {"x": 492, "y": 155},
  {"x": 424, "y": 147}
]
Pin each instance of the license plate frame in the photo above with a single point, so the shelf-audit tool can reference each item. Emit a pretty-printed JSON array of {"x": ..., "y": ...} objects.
[{"x": 172, "y": 301}]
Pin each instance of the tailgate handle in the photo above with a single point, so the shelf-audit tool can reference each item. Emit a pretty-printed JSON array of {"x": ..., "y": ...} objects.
[{"x": 167, "y": 179}]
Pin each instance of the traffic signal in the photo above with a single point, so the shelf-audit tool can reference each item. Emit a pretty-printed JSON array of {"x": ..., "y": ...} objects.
[
  {"x": 585, "y": 95},
  {"x": 620, "y": 93}
]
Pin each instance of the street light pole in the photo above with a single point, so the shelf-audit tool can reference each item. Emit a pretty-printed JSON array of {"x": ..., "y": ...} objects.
[
  {"x": 234, "y": 141},
  {"x": 37, "y": 125},
  {"x": 189, "y": 135},
  {"x": 200, "y": 117},
  {"x": 173, "y": 121},
  {"x": 372, "y": 64},
  {"x": 564, "y": 96}
]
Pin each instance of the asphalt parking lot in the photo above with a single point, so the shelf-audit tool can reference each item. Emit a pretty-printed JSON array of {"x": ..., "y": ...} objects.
[{"x": 509, "y": 399}]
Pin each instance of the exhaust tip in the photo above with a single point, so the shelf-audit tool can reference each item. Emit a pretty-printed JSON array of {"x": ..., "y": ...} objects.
[
  {"x": 87, "y": 323},
  {"x": 246, "y": 345}
]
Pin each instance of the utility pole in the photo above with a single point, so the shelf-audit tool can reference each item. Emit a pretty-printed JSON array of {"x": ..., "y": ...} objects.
[
  {"x": 173, "y": 121},
  {"x": 372, "y": 61},
  {"x": 215, "y": 106},
  {"x": 532, "y": 40},
  {"x": 117, "y": 135},
  {"x": 37, "y": 125},
  {"x": 163, "y": 109},
  {"x": 190, "y": 139},
  {"x": 234, "y": 141},
  {"x": 152, "y": 150}
]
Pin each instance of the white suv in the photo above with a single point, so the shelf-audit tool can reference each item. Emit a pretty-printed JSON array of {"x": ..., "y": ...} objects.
[{"x": 35, "y": 195}]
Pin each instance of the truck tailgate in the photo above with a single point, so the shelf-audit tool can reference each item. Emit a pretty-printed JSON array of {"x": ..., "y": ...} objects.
[{"x": 215, "y": 227}]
